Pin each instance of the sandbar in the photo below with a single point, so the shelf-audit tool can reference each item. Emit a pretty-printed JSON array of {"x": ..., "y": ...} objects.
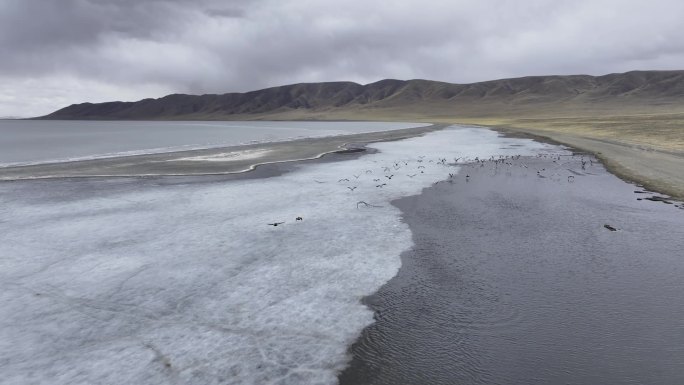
[{"x": 214, "y": 161}]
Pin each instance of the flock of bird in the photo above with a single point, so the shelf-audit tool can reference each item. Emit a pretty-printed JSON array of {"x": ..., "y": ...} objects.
[{"x": 561, "y": 168}]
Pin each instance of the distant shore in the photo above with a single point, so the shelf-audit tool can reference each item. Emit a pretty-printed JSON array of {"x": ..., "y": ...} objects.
[{"x": 214, "y": 161}]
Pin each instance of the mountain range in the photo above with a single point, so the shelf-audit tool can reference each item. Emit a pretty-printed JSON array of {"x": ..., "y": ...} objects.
[{"x": 633, "y": 92}]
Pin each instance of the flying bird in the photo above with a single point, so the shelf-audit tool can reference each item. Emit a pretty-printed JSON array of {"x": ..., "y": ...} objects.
[
  {"x": 274, "y": 224},
  {"x": 352, "y": 188},
  {"x": 343, "y": 180}
]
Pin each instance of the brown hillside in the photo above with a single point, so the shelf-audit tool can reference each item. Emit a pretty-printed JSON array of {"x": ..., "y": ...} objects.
[{"x": 637, "y": 92}]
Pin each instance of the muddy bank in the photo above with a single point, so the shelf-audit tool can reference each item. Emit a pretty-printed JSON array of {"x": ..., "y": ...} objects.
[{"x": 652, "y": 168}]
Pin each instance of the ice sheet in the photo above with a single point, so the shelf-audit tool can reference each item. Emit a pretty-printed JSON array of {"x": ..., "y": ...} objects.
[{"x": 127, "y": 282}]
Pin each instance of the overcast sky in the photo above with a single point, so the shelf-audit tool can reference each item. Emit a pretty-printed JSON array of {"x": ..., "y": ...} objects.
[{"x": 57, "y": 52}]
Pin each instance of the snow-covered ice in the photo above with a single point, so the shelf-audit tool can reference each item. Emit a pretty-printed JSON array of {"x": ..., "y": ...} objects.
[{"x": 128, "y": 281}]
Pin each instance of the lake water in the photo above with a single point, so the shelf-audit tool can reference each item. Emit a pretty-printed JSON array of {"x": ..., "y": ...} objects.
[
  {"x": 39, "y": 141},
  {"x": 514, "y": 280},
  {"x": 505, "y": 277},
  {"x": 178, "y": 280}
]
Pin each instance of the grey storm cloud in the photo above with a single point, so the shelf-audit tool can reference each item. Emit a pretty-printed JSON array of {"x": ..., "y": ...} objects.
[{"x": 57, "y": 52}]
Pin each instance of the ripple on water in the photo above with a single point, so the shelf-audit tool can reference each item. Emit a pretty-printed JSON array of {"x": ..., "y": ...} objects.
[{"x": 514, "y": 280}]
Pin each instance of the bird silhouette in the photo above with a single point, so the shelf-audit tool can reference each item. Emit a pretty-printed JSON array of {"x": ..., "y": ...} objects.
[
  {"x": 343, "y": 180},
  {"x": 380, "y": 185},
  {"x": 411, "y": 175},
  {"x": 352, "y": 188},
  {"x": 389, "y": 176},
  {"x": 274, "y": 224}
]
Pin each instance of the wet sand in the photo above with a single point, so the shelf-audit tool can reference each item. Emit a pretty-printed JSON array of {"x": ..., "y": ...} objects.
[
  {"x": 514, "y": 278},
  {"x": 214, "y": 161}
]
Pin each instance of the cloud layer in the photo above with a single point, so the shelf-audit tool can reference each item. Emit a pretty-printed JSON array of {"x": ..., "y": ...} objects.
[{"x": 55, "y": 53}]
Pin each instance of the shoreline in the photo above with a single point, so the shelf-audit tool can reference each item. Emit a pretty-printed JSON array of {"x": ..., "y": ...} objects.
[
  {"x": 652, "y": 168},
  {"x": 656, "y": 170},
  {"x": 179, "y": 163}
]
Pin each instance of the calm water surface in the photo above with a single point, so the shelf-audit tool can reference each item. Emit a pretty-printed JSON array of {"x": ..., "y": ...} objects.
[
  {"x": 514, "y": 279},
  {"x": 38, "y": 141}
]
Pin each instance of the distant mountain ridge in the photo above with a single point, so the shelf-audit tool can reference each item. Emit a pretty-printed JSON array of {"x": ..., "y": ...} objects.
[{"x": 424, "y": 98}]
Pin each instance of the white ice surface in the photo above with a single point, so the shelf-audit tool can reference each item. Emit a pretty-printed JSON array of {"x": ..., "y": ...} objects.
[
  {"x": 226, "y": 156},
  {"x": 188, "y": 284}
]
